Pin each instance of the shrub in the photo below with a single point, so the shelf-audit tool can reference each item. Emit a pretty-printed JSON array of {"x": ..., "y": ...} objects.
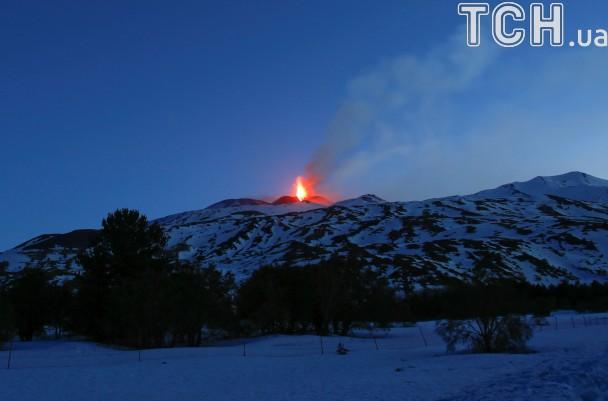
[{"x": 488, "y": 334}]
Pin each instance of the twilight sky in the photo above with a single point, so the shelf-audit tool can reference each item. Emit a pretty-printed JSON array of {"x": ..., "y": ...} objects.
[{"x": 167, "y": 106}]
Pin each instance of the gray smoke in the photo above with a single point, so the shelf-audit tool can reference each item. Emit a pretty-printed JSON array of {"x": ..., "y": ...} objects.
[
  {"x": 386, "y": 109},
  {"x": 457, "y": 120}
]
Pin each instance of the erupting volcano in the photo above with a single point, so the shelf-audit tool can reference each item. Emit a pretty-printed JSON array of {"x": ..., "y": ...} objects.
[{"x": 303, "y": 190}]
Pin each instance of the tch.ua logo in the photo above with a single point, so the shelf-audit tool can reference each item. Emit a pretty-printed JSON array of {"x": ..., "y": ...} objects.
[
  {"x": 507, "y": 21},
  {"x": 509, "y": 26}
]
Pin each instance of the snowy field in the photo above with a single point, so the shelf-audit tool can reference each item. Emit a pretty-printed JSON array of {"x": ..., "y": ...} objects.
[{"x": 570, "y": 362}]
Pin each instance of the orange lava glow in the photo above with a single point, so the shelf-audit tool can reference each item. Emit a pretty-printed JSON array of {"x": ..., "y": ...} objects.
[
  {"x": 301, "y": 190},
  {"x": 304, "y": 190}
]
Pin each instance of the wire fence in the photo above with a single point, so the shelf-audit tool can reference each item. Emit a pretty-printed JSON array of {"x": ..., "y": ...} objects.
[
  {"x": 565, "y": 322},
  {"x": 83, "y": 354}
]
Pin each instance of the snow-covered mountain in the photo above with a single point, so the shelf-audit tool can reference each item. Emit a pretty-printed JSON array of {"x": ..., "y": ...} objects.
[
  {"x": 545, "y": 230},
  {"x": 574, "y": 185}
]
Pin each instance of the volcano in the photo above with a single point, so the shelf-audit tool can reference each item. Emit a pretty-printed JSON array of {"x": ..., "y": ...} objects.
[
  {"x": 286, "y": 200},
  {"x": 546, "y": 230},
  {"x": 283, "y": 200},
  {"x": 237, "y": 202},
  {"x": 317, "y": 199}
]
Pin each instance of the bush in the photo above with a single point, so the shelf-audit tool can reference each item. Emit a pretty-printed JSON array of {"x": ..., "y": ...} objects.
[{"x": 488, "y": 334}]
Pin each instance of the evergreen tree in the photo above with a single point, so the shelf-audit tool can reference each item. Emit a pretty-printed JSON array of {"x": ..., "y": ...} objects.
[
  {"x": 29, "y": 295},
  {"x": 199, "y": 297},
  {"x": 5, "y": 312},
  {"x": 327, "y": 297},
  {"x": 124, "y": 278}
]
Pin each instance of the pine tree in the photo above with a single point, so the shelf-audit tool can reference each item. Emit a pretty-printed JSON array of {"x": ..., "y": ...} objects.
[
  {"x": 29, "y": 294},
  {"x": 123, "y": 282}
]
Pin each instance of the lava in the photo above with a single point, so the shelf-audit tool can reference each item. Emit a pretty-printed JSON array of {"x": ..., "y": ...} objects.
[
  {"x": 304, "y": 191},
  {"x": 301, "y": 191}
]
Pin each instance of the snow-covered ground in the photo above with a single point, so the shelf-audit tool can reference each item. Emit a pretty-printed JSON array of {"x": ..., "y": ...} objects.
[{"x": 570, "y": 363}]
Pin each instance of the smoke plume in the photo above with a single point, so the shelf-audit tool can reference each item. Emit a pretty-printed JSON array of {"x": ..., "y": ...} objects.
[
  {"x": 458, "y": 119},
  {"x": 385, "y": 109}
]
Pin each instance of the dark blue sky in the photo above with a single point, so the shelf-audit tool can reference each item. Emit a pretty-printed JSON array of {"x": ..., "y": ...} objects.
[{"x": 170, "y": 106}]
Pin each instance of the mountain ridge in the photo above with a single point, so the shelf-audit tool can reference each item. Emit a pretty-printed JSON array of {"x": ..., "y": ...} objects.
[{"x": 544, "y": 230}]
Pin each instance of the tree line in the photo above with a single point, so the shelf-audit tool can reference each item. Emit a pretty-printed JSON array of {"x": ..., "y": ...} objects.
[{"x": 131, "y": 291}]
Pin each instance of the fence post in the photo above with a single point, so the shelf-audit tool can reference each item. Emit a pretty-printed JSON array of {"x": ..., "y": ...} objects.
[
  {"x": 10, "y": 356},
  {"x": 322, "y": 348},
  {"x": 244, "y": 349},
  {"x": 423, "y": 337},
  {"x": 376, "y": 344}
]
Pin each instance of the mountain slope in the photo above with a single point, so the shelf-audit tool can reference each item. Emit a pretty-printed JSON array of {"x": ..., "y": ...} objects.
[
  {"x": 545, "y": 230},
  {"x": 574, "y": 185}
]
